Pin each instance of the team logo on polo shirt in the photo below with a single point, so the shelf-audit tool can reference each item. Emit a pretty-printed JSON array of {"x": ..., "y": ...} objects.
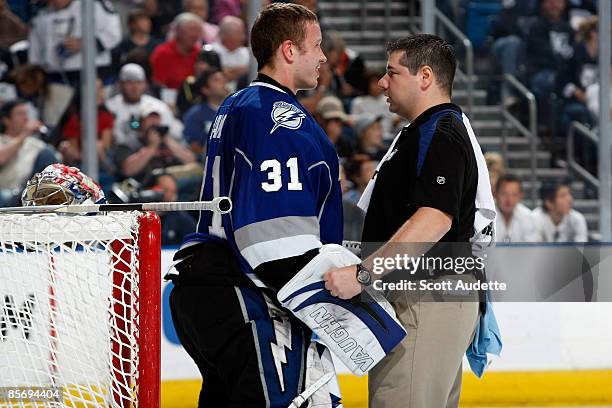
[
  {"x": 441, "y": 180},
  {"x": 286, "y": 115}
]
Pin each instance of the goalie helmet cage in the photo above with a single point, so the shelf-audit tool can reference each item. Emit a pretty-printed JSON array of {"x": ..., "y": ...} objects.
[{"x": 80, "y": 307}]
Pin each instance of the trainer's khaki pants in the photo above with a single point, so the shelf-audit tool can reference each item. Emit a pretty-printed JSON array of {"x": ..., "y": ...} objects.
[{"x": 424, "y": 370}]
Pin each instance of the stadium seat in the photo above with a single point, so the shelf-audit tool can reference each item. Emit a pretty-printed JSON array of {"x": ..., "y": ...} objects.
[{"x": 478, "y": 18}]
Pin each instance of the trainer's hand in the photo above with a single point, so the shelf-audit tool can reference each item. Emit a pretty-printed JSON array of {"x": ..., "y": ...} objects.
[{"x": 342, "y": 282}]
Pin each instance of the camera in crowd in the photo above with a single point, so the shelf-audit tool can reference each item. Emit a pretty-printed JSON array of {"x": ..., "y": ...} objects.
[
  {"x": 136, "y": 124},
  {"x": 132, "y": 191}
]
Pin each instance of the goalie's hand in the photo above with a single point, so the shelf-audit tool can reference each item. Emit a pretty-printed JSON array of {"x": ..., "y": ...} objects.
[{"x": 342, "y": 282}]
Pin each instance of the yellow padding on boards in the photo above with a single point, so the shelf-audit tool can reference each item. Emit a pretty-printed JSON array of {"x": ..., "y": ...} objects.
[
  {"x": 495, "y": 389},
  {"x": 538, "y": 388}
]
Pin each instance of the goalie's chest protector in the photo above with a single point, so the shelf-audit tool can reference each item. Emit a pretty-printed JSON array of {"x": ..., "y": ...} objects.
[{"x": 269, "y": 155}]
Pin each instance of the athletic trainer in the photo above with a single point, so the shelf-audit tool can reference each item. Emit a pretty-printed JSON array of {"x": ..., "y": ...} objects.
[{"x": 424, "y": 192}]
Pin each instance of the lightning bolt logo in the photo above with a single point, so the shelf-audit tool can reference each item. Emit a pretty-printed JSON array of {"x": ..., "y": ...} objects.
[
  {"x": 286, "y": 115},
  {"x": 282, "y": 334}
]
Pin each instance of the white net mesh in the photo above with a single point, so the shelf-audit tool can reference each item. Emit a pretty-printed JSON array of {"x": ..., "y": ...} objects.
[{"x": 69, "y": 307}]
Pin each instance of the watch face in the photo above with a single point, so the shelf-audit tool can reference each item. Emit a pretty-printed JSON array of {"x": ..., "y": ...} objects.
[{"x": 364, "y": 277}]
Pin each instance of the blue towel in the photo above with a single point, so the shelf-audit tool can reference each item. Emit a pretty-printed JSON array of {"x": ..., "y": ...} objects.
[{"x": 487, "y": 340}]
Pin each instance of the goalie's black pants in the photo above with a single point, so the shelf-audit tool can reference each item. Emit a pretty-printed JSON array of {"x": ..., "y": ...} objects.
[{"x": 250, "y": 352}]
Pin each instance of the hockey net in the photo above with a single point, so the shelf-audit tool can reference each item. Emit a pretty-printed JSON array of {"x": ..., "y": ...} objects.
[{"x": 80, "y": 308}]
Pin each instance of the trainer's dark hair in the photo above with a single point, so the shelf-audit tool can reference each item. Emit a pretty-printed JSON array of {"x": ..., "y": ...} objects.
[
  {"x": 508, "y": 178},
  {"x": 426, "y": 49},
  {"x": 276, "y": 23}
]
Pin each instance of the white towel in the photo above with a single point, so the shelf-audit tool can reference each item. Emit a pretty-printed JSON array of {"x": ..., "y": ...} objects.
[{"x": 484, "y": 220}]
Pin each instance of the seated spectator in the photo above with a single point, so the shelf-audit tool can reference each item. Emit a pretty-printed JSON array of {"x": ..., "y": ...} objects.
[
  {"x": 210, "y": 32},
  {"x": 509, "y": 30},
  {"x": 211, "y": 86},
  {"x": 155, "y": 149},
  {"x": 360, "y": 172},
  {"x": 513, "y": 222},
  {"x": 12, "y": 29},
  {"x": 556, "y": 220},
  {"x": 47, "y": 101},
  {"x": 550, "y": 45},
  {"x": 369, "y": 132},
  {"x": 188, "y": 94},
  {"x": 29, "y": 82},
  {"x": 375, "y": 102},
  {"x": 332, "y": 118},
  {"x": 347, "y": 67},
  {"x": 577, "y": 75},
  {"x": 71, "y": 146},
  {"x": 592, "y": 97},
  {"x": 162, "y": 13},
  {"x": 174, "y": 224},
  {"x": 226, "y": 8},
  {"x": 128, "y": 104},
  {"x": 55, "y": 39},
  {"x": 173, "y": 60},
  {"x": 580, "y": 10},
  {"x": 235, "y": 57},
  {"x": 496, "y": 167},
  {"x": 139, "y": 26},
  {"x": 21, "y": 153}
]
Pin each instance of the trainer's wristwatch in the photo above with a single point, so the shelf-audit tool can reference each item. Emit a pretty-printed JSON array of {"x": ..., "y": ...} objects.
[{"x": 363, "y": 275}]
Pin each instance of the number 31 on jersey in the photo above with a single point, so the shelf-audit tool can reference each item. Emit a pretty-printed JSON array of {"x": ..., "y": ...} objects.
[{"x": 274, "y": 169}]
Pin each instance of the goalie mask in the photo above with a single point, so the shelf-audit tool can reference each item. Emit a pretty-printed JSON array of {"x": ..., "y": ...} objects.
[{"x": 59, "y": 184}]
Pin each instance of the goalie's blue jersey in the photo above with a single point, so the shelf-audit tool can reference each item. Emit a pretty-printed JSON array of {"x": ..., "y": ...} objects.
[{"x": 269, "y": 155}]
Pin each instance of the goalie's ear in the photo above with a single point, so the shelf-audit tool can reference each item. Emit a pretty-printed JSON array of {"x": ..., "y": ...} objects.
[{"x": 287, "y": 51}]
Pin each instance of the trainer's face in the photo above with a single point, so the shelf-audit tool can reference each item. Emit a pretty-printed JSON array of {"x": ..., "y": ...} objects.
[
  {"x": 401, "y": 87},
  {"x": 309, "y": 59}
]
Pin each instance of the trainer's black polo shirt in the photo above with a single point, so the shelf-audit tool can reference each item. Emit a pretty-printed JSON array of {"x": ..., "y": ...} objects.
[{"x": 432, "y": 165}]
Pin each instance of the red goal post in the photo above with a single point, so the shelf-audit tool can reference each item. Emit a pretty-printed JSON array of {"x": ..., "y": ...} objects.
[{"x": 80, "y": 306}]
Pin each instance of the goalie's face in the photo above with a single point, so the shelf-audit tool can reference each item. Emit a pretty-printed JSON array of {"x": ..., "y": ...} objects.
[{"x": 308, "y": 58}]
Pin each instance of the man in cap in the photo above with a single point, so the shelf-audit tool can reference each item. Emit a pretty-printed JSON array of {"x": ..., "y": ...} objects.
[{"x": 128, "y": 104}]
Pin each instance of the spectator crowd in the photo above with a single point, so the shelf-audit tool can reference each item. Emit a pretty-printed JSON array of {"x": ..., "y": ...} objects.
[{"x": 164, "y": 68}]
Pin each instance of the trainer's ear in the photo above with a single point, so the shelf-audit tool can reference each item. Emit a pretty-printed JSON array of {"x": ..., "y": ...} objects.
[
  {"x": 287, "y": 50},
  {"x": 427, "y": 77}
]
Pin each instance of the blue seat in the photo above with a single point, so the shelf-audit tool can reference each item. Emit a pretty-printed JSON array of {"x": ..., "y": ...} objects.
[{"x": 478, "y": 20}]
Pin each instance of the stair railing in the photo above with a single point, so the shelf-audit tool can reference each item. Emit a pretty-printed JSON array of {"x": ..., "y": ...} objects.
[
  {"x": 578, "y": 130},
  {"x": 509, "y": 81}
]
